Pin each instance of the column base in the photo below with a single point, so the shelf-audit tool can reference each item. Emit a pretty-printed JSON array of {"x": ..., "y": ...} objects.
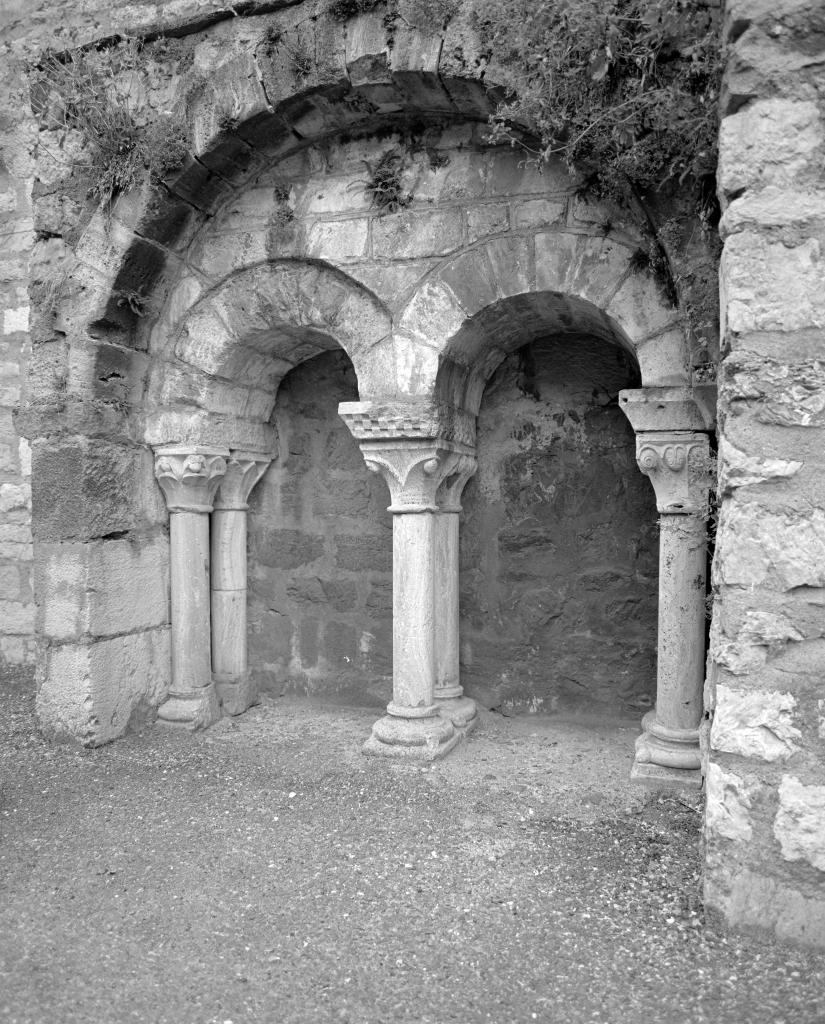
[
  {"x": 461, "y": 711},
  {"x": 666, "y": 747},
  {"x": 657, "y": 776},
  {"x": 416, "y": 739},
  {"x": 196, "y": 710},
  {"x": 236, "y": 695}
]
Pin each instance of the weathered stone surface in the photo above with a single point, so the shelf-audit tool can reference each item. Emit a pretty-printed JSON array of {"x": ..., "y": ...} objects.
[
  {"x": 770, "y": 142},
  {"x": 756, "y": 547},
  {"x": 728, "y": 805},
  {"x": 91, "y": 691},
  {"x": 737, "y": 469},
  {"x": 756, "y": 723},
  {"x": 768, "y": 285},
  {"x": 102, "y": 588},
  {"x": 748, "y": 898},
  {"x": 799, "y": 825}
]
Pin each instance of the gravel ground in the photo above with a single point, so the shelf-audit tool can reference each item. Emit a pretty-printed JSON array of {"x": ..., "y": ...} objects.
[{"x": 267, "y": 871}]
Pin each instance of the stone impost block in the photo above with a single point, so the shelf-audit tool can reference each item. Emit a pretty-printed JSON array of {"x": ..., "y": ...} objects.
[
  {"x": 390, "y": 421},
  {"x": 670, "y": 408}
]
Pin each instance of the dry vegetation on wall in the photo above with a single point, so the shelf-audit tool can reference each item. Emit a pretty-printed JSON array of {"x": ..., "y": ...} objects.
[
  {"x": 97, "y": 92},
  {"x": 625, "y": 91}
]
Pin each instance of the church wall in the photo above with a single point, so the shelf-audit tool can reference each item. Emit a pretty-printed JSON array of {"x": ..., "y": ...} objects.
[{"x": 765, "y": 824}]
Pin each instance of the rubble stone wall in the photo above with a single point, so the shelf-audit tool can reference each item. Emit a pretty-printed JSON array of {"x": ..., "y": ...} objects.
[{"x": 765, "y": 826}]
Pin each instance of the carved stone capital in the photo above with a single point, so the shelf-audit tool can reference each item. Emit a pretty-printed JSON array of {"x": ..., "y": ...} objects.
[
  {"x": 413, "y": 470},
  {"x": 678, "y": 464},
  {"x": 449, "y": 493},
  {"x": 189, "y": 475},
  {"x": 243, "y": 471}
]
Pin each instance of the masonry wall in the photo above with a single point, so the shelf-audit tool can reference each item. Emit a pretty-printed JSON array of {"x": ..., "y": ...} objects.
[
  {"x": 765, "y": 825},
  {"x": 320, "y": 549},
  {"x": 559, "y": 539}
]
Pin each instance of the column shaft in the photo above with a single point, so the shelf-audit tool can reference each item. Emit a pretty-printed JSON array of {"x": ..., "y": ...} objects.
[
  {"x": 681, "y": 663},
  {"x": 229, "y": 658},
  {"x": 413, "y": 637},
  {"x": 449, "y": 693},
  {"x": 189, "y": 546},
  {"x": 235, "y": 689}
]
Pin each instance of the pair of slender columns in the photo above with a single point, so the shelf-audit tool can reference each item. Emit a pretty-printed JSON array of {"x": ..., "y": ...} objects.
[
  {"x": 208, "y": 602},
  {"x": 428, "y": 713}
]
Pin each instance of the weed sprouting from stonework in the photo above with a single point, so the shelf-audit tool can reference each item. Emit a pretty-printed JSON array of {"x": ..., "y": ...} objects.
[
  {"x": 384, "y": 184},
  {"x": 93, "y": 93}
]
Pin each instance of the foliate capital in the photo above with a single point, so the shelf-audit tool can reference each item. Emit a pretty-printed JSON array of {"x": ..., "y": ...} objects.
[
  {"x": 413, "y": 470},
  {"x": 243, "y": 471},
  {"x": 189, "y": 475},
  {"x": 449, "y": 493},
  {"x": 679, "y": 466}
]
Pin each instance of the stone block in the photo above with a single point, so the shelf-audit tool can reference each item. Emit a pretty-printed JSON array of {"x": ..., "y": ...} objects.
[
  {"x": 727, "y": 805},
  {"x": 363, "y": 553},
  {"x": 737, "y": 469},
  {"x": 756, "y": 547},
  {"x": 287, "y": 549},
  {"x": 17, "y": 617},
  {"x": 91, "y": 691},
  {"x": 749, "y": 899},
  {"x": 767, "y": 285},
  {"x": 83, "y": 489},
  {"x": 770, "y": 142},
  {"x": 412, "y": 234},
  {"x": 433, "y": 315},
  {"x": 537, "y": 213},
  {"x": 754, "y": 723},
  {"x": 489, "y": 219},
  {"x": 799, "y": 826},
  {"x": 102, "y": 588},
  {"x": 339, "y": 241}
]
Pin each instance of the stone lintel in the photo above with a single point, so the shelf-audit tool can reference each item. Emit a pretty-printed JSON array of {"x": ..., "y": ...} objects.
[{"x": 670, "y": 408}]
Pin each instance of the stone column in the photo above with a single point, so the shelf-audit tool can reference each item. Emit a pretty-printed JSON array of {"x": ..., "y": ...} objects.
[
  {"x": 449, "y": 694},
  {"x": 189, "y": 477},
  {"x": 413, "y": 726},
  {"x": 416, "y": 446},
  {"x": 677, "y": 464},
  {"x": 229, "y": 578}
]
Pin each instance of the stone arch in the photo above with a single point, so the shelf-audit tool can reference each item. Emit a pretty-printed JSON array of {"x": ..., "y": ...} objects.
[
  {"x": 216, "y": 372},
  {"x": 475, "y": 309}
]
